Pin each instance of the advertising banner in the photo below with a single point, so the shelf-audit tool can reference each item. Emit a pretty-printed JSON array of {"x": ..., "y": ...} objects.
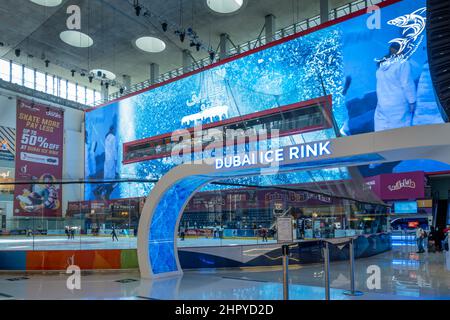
[
  {"x": 398, "y": 186},
  {"x": 7, "y": 144},
  {"x": 131, "y": 205},
  {"x": 229, "y": 200},
  {"x": 39, "y": 150},
  {"x": 378, "y": 79}
]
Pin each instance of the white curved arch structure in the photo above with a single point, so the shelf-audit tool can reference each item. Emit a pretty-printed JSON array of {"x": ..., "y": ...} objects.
[{"x": 158, "y": 225}]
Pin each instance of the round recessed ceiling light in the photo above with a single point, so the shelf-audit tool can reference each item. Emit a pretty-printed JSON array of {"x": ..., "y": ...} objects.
[
  {"x": 103, "y": 74},
  {"x": 76, "y": 38},
  {"x": 225, "y": 6},
  {"x": 47, "y": 3},
  {"x": 150, "y": 44}
]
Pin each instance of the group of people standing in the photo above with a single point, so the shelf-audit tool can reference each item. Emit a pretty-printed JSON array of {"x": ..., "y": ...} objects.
[
  {"x": 70, "y": 232},
  {"x": 436, "y": 240}
]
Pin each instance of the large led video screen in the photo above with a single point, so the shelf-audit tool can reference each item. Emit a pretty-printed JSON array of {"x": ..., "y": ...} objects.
[{"x": 376, "y": 72}]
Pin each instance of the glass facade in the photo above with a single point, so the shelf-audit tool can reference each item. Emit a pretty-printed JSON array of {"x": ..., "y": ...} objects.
[
  {"x": 48, "y": 83},
  {"x": 235, "y": 216}
]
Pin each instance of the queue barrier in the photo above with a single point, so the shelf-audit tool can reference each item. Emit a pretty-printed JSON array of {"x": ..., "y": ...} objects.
[{"x": 340, "y": 244}]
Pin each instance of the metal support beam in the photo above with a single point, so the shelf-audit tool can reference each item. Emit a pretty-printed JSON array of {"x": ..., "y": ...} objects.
[
  {"x": 223, "y": 46},
  {"x": 326, "y": 262},
  {"x": 270, "y": 27},
  {"x": 285, "y": 254},
  {"x": 154, "y": 73},
  {"x": 324, "y": 10}
]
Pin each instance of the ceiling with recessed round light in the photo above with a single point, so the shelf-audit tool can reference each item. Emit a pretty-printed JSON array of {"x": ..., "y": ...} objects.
[
  {"x": 47, "y": 3},
  {"x": 225, "y": 6},
  {"x": 111, "y": 29},
  {"x": 150, "y": 44},
  {"x": 76, "y": 38}
]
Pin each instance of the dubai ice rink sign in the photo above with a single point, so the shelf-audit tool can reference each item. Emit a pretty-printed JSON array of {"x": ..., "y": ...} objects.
[{"x": 303, "y": 151}]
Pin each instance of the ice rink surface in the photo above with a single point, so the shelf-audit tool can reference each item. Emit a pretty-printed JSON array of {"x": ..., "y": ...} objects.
[{"x": 19, "y": 243}]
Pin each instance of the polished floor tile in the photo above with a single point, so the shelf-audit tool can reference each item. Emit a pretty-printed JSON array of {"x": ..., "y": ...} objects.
[{"x": 404, "y": 275}]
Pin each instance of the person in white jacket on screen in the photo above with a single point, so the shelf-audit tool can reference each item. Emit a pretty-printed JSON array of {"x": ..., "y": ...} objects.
[
  {"x": 109, "y": 168},
  {"x": 396, "y": 92}
]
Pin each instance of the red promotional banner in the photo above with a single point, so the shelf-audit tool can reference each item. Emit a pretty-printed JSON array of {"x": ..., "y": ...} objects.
[{"x": 39, "y": 157}]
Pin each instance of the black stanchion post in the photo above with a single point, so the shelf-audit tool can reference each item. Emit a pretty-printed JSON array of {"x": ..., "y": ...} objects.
[
  {"x": 285, "y": 254},
  {"x": 352, "y": 291},
  {"x": 326, "y": 261}
]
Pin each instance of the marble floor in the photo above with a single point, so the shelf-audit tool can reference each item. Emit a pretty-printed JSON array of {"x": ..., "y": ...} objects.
[{"x": 403, "y": 275}]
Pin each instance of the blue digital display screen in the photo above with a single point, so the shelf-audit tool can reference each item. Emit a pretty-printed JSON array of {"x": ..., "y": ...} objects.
[
  {"x": 378, "y": 77},
  {"x": 405, "y": 207}
]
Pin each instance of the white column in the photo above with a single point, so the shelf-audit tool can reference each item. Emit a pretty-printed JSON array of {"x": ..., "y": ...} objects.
[
  {"x": 324, "y": 10},
  {"x": 270, "y": 27},
  {"x": 154, "y": 72},
  {"x": 126, "y": 79},
  {"x": 223, "y": 46},
  {"x": 187, "y": 61},
  {"x": 105, "y": 93}
]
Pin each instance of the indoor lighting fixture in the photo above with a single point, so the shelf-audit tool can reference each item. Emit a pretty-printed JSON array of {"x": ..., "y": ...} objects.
[
  {"x": 47, "y": 62},
  {"x": 150, "y": 44},
  {"x": 91, "y": 77},
  {"x": 72, "y": 72},
  {"x": 137, "y": 8},
  {"x": 103, "y": 74},
  {"x": 164, "y": 26},
  {"x": 182, "y": 36},
  {"x": 17, "y": 52},
  {"x": 121, "y": 90},
  {"x": 76, "y": 38},
  {"x": 47, "y": 3},
  {"x": 225, "y": 6}
]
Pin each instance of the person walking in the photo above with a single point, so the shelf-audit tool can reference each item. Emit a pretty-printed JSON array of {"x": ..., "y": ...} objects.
[
  {"x": 433, "y": 240},
  {"x": 420, "y": 236},
  {"x": 67, "y": 232},
  {"x": 182, "y": 233},
  {"x": 440, "y": 236},
  {"x": 72, "y": 233},
  {"x": 114, "y": 234},
  {"x": 445, "y": 242},
  {"x": 264, "y": 234}
]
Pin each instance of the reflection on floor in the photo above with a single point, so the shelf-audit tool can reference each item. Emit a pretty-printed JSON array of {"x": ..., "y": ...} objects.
[
  {"x": 89, "y": 243},
  {"x": 404, "y": 275}
]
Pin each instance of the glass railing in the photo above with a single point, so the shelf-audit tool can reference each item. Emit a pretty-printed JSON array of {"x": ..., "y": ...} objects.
[{"x": 56, "y": 216}]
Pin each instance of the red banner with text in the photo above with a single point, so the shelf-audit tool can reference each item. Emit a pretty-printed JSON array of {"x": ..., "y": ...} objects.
[{"x": 39, "y": 157}]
